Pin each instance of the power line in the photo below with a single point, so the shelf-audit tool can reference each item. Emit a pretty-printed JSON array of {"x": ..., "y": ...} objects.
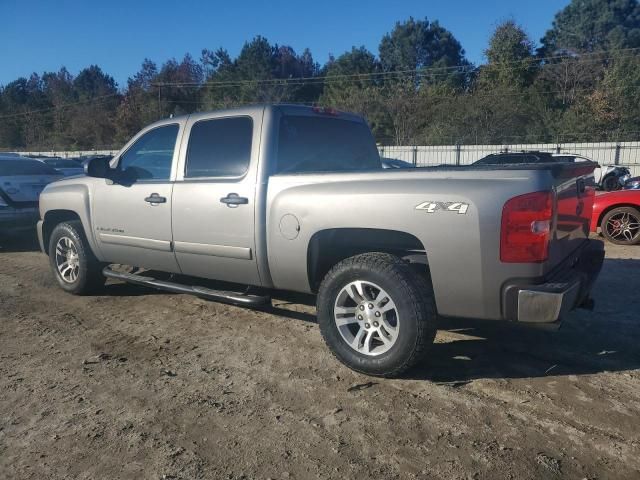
[
  {"x": 420, "y": 71},
  {"x": 66, "y": 105},
  {"x": 328, "y": 79}
]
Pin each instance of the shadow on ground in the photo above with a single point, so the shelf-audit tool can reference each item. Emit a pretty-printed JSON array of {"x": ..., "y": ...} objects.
[
  {"x": 23, "y": 242},
  {"x": 606, "y": 339}
]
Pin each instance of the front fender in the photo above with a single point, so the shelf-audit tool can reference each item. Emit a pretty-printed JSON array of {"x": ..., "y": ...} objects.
[{"x": 70, "y": 197}]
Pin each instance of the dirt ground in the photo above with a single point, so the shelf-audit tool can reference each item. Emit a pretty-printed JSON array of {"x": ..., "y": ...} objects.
[{"x": 143, "y": 384}]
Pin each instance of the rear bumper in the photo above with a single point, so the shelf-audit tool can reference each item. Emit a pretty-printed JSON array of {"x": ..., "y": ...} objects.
[{"x": 568, "y": 287}]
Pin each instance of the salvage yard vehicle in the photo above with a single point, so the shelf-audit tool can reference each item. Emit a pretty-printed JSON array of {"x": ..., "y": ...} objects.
[
  {"x": 617, "y": 215},
  {"x": 65, "y": 166},
  {"x": 295, "y": 198},
  {"x": 21, "y": 181}
]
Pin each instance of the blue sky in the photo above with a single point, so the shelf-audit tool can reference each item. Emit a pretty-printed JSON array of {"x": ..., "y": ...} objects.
[{"x": 40, "y": 35}]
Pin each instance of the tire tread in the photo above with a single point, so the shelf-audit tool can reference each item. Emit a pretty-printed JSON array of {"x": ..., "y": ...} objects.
[{"x": 417, "y": 287}]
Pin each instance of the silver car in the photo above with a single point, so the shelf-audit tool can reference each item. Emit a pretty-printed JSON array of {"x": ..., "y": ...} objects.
[{"x": 21, "y": 181}]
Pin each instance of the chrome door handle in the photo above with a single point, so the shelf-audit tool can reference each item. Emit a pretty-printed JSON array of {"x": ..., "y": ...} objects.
[
  {"x": 233, "y": 200},
  {"x": 155, "y": 198}
]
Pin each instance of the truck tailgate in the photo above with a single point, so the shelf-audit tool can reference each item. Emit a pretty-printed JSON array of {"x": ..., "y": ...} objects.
[{"x": 574, "y": 197}]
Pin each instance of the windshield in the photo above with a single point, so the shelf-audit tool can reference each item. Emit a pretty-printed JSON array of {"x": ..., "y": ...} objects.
[
  {"x": 25, "y": 167},
  {"x": 320, "y": 144}
]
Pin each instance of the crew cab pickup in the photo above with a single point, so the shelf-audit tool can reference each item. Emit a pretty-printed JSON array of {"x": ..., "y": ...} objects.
[{"x": 295, "y": 198}]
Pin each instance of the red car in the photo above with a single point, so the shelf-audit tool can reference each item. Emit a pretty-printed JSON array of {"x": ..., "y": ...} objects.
[{"x": 617, "y": 214}]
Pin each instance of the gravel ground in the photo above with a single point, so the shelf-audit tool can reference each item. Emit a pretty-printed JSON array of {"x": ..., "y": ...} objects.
[{"x": 143, "y": 384}]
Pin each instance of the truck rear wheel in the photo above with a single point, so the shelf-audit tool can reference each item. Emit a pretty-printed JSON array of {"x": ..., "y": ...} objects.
[
  {"x": 74, "y": 266},
  {"x": 376, "y": 314}
]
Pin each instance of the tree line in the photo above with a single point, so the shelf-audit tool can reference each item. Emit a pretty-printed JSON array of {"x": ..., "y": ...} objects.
[{"x": 582, "y": 84}]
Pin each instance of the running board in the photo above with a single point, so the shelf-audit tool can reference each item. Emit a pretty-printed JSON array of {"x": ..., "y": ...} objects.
[{"x": 207, "y": 293}]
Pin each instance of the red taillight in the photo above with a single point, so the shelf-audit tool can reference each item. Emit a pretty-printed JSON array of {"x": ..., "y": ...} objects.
[{"x": 526, "y": 228}]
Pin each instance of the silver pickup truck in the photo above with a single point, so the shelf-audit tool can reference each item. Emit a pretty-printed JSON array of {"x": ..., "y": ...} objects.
[{"x": 295, "y": 198}]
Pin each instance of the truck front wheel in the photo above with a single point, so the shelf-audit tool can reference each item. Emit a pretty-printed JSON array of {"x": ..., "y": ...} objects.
[
  {"x": 74, "y": 266},
  {"x": 376, "y": 314}
]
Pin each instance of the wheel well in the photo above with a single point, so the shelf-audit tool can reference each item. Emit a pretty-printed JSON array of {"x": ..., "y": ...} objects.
[
  {"x": 611, "y": 207},
  {"x": 328, "y": 247},
  {"x": 53, "y": 218}
]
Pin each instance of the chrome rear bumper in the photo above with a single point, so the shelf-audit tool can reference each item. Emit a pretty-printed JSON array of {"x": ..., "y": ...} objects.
[{"x": 569, "y": 287}]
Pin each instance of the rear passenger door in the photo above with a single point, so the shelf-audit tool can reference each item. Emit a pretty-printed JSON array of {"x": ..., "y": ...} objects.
[{"x": 214, "y": 198}]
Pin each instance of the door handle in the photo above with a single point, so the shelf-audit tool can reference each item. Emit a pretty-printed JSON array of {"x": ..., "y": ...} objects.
[
  {"x": 155, "y": 198},
  {"x": 233, "y": 200}
]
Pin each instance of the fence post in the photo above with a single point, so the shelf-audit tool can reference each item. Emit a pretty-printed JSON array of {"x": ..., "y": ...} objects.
[
  {"x": 616, "y": 159},
  {"x": 415, "y": 156},
  {"x": 458, "y": 148}
]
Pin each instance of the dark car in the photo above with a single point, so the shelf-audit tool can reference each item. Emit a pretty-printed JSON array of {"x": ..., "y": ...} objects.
[
  {"x": 514, "y": 158},
  {"x": 65, "y": 166}
]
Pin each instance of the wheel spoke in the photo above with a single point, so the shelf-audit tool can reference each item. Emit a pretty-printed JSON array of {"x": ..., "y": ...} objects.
[
  {"x": 356, "y": 292},
  {"x": 357, "y": 340},
  {"x": 367, "y": 342},
  {"x": 386, "y": 339},
  {"x": 388, "y": 327},
  {"x": 341, "y": 322},
  {"x": 63, "y": 266},
  {"x": 628, "y": 235},
  {"x": 344, "y": 310},
  {"x": 388, "y": 306}
]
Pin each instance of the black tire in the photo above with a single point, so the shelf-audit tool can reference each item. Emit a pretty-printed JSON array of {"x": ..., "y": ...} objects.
[
  {"x": 412, "y": 294},
  {"x": 88, "y": 278},
  {"x": 622, "y": 236}
]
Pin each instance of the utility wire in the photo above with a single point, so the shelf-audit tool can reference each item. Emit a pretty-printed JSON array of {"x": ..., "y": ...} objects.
[{"x": 301, "y": 81}]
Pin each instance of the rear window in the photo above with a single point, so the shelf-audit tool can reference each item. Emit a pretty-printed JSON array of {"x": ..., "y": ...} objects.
[
  {"x": 317, "y": 144},
  {"x": 25, "y": 167}
]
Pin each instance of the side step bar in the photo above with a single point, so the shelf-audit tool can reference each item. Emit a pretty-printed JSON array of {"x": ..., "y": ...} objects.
[{"x": 207, "y": 293}]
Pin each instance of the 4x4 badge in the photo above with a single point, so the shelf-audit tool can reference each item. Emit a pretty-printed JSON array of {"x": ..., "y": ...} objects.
[{"x": 432, "y": 207}]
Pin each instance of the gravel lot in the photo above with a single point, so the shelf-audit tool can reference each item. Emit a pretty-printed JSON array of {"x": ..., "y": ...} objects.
[{"x": 143, "y": 384}]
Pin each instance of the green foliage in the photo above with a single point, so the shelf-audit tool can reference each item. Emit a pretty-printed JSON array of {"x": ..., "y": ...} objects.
[
  {"x": 510, "y": 57},
  {"x": 418, "y": 89},
  {"x": 594, "y": 25}
]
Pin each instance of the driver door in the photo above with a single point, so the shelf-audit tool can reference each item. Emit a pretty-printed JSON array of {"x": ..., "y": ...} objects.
[{"x": 132, "y": 212}]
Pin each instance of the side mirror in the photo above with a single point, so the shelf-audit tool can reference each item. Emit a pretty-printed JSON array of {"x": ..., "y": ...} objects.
[{"x": 98, "y": 167}]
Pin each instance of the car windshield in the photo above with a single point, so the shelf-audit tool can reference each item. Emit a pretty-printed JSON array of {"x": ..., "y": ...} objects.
[
  {"x": 319, "y": 144},
  {"x": 25, "y": 167},
  {"x": 62, "y": 163}
]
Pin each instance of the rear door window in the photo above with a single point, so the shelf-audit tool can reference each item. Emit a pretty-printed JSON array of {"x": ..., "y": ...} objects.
[
  {"x": 219, "y": 147},
  {"x": 321, "y": 144}
]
